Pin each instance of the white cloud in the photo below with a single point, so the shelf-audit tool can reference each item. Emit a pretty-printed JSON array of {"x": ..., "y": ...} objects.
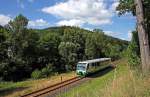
[
  {"x": 95, "y": 12},
  {"x": 119, "y": 35},
  {"x": 38, "y": 23},
  {"x": 4, "y": 19},
  {"x": 114, "y": 5},
  {"x": 129, "y": 35},
  {"x": 111, "y": 33},
  {"x": 73, "y": 22},
  {"x": 90, "y": 29}
]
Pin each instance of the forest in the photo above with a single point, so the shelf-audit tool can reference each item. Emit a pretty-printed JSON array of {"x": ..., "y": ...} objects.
[{"x": 38, "y": 53}]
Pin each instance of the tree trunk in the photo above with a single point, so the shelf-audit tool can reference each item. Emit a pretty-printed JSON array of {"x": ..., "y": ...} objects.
[{"x": 143, "y": 37}]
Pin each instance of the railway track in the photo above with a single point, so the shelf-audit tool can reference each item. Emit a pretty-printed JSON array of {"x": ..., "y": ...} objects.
[{"x": 52, "y": 88}]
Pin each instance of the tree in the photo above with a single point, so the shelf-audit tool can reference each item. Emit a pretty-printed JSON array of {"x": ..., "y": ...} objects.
[
  {"x": 76, "y": 36},
  {"x": 17, "y": 28},
  {"x": 18, "y": 24},
  {"x": 48, "y": 50},
  {"x": 17, "y": 67},
  {"x": 94, "y": 45},
  {"x": 113, "y": 51},
  {"x": 98, "y": 30},
  {"x": 4, "y": 35},
  {"x": 143, "y": 37},
  {"x": 143, "y": 18},
  {"x": 133, "y": 52},
  {"x": 3, "y": 51},
  {"x": 68, "y": 51}
]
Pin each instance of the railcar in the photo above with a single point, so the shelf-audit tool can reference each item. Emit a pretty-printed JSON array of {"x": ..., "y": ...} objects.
[{"x": 90, "y": 66}]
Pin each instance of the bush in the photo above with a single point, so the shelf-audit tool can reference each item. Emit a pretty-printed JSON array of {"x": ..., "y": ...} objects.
[
  {"x": 133, "y": 52},
  {"x": 133, "y": 60},
  {"x": 36, "y": 74},
  {"x": 46, "y": 71}
]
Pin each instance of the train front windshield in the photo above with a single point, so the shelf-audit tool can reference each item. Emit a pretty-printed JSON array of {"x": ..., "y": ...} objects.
[{"x": 81, "y": 66}]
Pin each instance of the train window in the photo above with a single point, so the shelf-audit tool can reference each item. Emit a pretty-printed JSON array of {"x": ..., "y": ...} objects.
[
  {"x": 89, "y": 65},
  {"x": 81, "y": 66},
  {"x": 93, "y": 64}
]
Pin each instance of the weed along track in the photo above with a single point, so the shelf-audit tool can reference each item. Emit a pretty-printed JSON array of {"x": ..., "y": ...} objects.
[{"x": 53, "y": 88}]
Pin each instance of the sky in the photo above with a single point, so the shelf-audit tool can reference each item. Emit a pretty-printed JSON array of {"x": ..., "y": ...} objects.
[{"x": 87, "y": 14}]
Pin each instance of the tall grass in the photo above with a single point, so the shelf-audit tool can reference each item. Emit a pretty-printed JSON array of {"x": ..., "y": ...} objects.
[{"x": 128, "y": 84}]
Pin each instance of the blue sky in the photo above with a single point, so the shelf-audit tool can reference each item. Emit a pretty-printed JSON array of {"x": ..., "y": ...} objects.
[{"x": 88, "y": 14}]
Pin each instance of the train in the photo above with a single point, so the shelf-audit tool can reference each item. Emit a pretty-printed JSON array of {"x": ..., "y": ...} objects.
[{"x": 87, "y": 67}]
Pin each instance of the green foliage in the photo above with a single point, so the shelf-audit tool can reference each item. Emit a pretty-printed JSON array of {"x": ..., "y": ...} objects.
[
  {"x": 133, "y": 51},
  {"x": 24, "y": 50},
  {"x": 20, "y": 50},
  {"x": 77, "y": 36},
  {"x": 46, "y": 71},
  {"x": 36, "y": 74},
  {"x": 48, "y": 50},
  {"x": 126, "y": 6},
  {"x": 94, "y": 45},
  {"x": 68, "y": 51},
  {"x": 18, "y": 24},
  {"x": 113, "y": 51},
  {"x": 3, "y": 44}
]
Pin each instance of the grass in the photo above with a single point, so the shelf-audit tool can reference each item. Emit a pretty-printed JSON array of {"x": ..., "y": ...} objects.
[
  {"x": 120, "y": 82},
  {"x": 16, "y": 89}
]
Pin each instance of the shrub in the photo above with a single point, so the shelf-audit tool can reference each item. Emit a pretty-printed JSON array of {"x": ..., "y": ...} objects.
[
  {"x": 133, "y": 52},
  {"x": 36, "y": 74},
  {"x": 46, "y": 71}
]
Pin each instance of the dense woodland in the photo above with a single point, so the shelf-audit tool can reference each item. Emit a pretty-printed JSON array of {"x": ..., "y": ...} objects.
[{"x": 26, "y": 53}]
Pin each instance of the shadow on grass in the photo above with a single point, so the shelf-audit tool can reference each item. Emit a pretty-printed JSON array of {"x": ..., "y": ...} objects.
[
  {"x": 9, "y": 91},
  {"x": 101, "y": 72}
]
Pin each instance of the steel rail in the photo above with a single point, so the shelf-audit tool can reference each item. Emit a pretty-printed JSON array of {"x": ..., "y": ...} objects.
[{"x": 52, "y": 87}]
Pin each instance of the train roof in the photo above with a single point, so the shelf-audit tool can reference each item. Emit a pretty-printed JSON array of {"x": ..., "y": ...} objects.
[{"x": 95, "y": 60}]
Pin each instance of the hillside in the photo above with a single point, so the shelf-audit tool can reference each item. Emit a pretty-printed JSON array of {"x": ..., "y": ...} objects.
[{"x": 61, "y": 29}]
